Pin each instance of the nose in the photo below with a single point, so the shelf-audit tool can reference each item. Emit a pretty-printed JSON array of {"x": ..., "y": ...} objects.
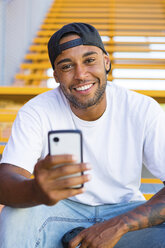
[{"x": 80, "y": 72}]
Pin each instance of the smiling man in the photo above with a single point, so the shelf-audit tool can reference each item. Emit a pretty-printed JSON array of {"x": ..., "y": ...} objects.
[
  {"x": 83, "y": 75},
  {"x": 121, "y": 130},
  {"x": 81, "y": 70}
]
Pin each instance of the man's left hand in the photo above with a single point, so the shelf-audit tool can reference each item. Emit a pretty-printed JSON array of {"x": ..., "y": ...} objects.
[{"x": 101, "y": 235}]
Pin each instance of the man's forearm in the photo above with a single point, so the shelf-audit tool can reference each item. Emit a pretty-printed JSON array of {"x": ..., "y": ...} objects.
[
  {"x": 49, "y": 186},
  {"x": 16, "y": 190},
  {"x": 149, "y": 214}
]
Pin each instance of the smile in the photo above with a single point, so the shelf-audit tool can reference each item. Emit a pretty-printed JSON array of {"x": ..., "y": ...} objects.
[{"x": 84, "y": 87}]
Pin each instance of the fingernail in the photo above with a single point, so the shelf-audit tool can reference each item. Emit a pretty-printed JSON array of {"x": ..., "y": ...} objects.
[
  {"x": 74, "y": 157},
  {"x": 89, "y": 177},
  {"x": 88, "y": 166}
]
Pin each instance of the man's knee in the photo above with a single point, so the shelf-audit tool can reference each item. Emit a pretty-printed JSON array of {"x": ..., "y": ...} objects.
[{"x": 153, "y": 237}]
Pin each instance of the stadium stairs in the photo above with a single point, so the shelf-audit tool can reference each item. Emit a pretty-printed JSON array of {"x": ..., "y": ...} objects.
[{"x": 115, "y": 18}]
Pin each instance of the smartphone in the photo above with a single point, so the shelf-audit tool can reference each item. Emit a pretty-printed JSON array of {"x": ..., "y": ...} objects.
[{"x": 66, "y": 142}]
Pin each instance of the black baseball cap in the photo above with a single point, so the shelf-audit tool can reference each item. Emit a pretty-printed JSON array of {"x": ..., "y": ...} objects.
[{"x": 88, "y": 36}]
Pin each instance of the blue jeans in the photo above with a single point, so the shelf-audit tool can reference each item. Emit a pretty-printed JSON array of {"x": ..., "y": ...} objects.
[{"x": 44, "y": 226}]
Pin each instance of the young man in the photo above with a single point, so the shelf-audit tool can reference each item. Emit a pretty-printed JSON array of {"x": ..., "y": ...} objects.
[{"x": 121, "y": 129}]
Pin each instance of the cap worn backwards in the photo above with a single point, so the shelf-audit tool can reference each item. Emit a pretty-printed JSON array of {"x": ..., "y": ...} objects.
[{"x": 88, "y": 36}]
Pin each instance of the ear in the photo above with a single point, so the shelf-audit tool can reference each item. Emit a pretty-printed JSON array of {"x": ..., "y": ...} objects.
[{"x": 107, "y": 63}]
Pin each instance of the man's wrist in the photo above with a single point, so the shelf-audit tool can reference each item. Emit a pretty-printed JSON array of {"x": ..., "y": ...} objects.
[
  {"x": 120, "y": 224},
  {"x": 36, "y": 194},
  {"x": 128, "y": 225},
  {"x": 124, "y": 225}
]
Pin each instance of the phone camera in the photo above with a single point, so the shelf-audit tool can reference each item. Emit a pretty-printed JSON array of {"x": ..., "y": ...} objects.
[{"x": 56, "y": 139}]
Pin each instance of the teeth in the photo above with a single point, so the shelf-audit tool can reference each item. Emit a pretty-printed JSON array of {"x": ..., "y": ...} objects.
[{"x": 85, "y": 87}]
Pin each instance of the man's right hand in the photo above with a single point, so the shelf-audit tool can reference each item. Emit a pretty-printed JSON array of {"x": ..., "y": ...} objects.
[{"x": 49, "y": 185}]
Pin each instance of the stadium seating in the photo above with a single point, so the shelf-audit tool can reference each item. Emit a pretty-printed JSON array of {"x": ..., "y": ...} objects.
[{"x": 126, "y": 27}]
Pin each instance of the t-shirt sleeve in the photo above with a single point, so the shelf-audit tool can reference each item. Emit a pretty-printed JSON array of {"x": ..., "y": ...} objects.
[
  {"x": 25, "y": 143},
  {"x": 154, "y": 145}
]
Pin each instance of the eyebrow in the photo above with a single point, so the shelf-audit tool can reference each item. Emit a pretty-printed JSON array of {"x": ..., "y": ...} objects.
[
  {"x": 64, "y": 61},
  {"x": 69, "y": 60},
  {"x": 89, "y": 53}
]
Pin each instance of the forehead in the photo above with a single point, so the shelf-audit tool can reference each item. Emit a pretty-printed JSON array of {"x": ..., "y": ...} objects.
[{"x": 78, "y": 53}]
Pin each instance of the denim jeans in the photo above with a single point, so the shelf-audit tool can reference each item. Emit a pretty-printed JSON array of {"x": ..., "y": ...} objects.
[{"x": 44, "y": 226}]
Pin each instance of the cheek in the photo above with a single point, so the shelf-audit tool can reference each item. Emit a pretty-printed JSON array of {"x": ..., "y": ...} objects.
[
  {"x": 99, "y": 70},
  {"x": 65, "y": 77},
  {"x": 64, "y": 88},
  {"x": 65, "y": 84}
]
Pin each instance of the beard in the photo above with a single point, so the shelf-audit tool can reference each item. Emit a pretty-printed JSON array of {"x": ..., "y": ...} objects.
[{"x": 76, "y": 103}]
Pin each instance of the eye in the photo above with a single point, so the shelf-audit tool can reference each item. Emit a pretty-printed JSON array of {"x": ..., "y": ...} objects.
[
  {"x": 89, "y": 60},
  {"x": 66, "y": 67}
]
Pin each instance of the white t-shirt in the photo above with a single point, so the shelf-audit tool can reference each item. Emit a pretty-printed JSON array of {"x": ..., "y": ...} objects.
[{"x": 130, "y": 132}]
